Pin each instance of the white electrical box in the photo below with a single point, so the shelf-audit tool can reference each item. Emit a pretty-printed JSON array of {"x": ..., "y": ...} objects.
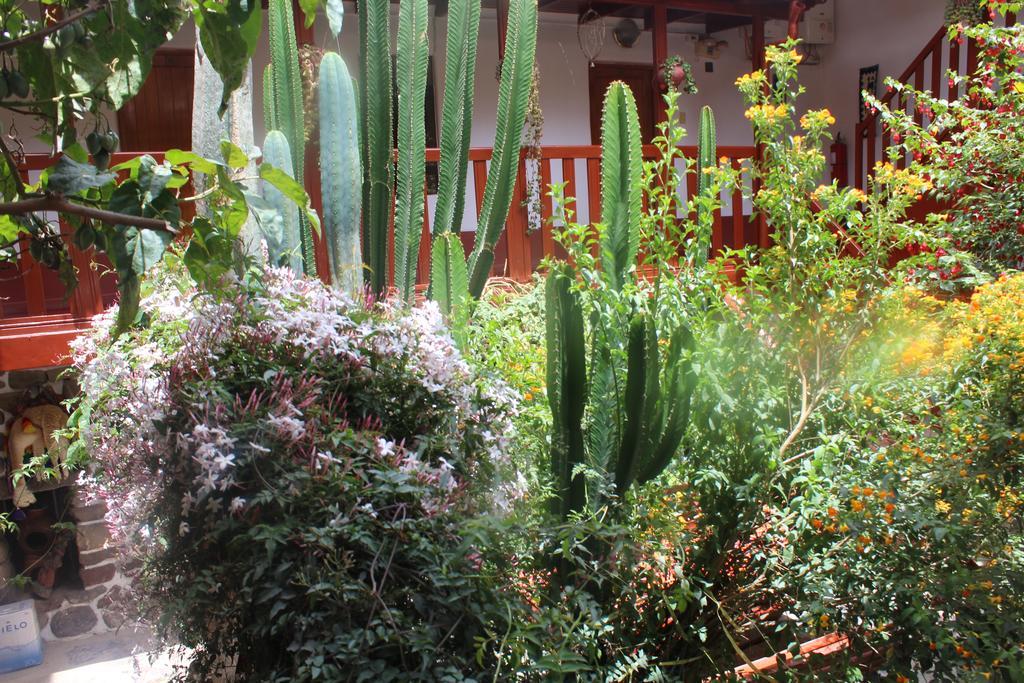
[{"x": 818, "y": 26}]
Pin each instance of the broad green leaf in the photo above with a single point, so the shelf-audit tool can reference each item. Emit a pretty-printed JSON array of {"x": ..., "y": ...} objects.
[
  {"x": 291, "y": 189},
  {"x": 228, "y": 34},
  {"x": 70, "y": 177},
  {"x": 233, "y": 155},
  {"x": 179, "y": 157},
  {"x": 10, "y": 228},
  {"x": 309, "y": 8},
  {"x": 146, "y": 247}
]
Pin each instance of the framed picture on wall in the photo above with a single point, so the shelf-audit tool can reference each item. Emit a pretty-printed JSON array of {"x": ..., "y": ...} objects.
[{"x": 868, "y": 83}]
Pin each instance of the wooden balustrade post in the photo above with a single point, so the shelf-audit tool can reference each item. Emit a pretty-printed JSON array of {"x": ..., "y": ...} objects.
[{"x": 659, "y": 35}]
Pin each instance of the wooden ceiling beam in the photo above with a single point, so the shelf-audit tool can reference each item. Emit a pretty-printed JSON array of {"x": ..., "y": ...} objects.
[
  {"x": 743, "y": 8},
  {"x": 683, "y": 15},
  {"x": 719, "y": 22}
]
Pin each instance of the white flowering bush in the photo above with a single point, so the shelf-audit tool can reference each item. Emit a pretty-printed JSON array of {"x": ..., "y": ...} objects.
[{"x": 300, "y": 478}]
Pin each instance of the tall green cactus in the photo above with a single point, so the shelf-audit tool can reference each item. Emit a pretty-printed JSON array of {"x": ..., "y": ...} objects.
[
  {"x": 340, "y": 172},
  {"x": 449, "y": 282},
  {"x": 513, "y": 101},
  {"x": 377, "y": 136},
  {"x": 285, "y": 97},
  {"x": 284, "y": 248},
  {"x": 567, "y": 389},
  {"x": 269, "y": 110},
  {"x": 632, "y": 421},
  {"x": 621, "y": 188},
  {"x": 656, "y": 416},
  {"x": 707, "y": 157},
  {"x": 412, "y": 141},
  {"x": 456, "y": 113}
]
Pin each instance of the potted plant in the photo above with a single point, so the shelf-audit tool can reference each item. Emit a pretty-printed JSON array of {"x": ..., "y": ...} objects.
[
  {"x": 678, "y": 73},
  {"x": 966, "y": 12}
]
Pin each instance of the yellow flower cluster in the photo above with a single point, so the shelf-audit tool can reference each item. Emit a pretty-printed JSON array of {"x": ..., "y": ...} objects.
[
  {"x": 819, "y": 118},
  {"x": 995, "y": 321},
  {"x": 910, "y": 183},
  {"x": 769, "y": 111},
  {"x": 750, "y": 79}
]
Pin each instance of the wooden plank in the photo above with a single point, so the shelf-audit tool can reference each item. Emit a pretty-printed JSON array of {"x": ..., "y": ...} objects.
[
  {"x": 717, "y": 238},
  {"x": 954, "y": 65},
  {"x": 546, "y": 208},
  {"x": 519, "y": 265},
  {"x": 918, "y": 86},
  {"x": 858, "y": 156},
  {"x": 32, "y": 275},
  {"x": 479, "y": 185},
  {"x": 659, "y": 44},
  {"x": 736, "y": 8},
  {"x": 936, "y": 83},
  {"x": 972, "y": 56},
  {"x": 40, "y": 348},
  {"x": 739, "y": 233},
  {"x": 757, "y": 43},
  {"x": 569, "y": 177},
  {"x": 423, "y": 257},
  {"x": 594, "y": 189},
  {"x": 871, "y": 150}
]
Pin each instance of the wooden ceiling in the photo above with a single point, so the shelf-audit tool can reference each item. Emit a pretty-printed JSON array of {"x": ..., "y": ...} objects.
[{"x": 712, "y": 15}]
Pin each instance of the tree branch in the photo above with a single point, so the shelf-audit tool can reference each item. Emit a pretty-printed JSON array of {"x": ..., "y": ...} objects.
[
  {"x": 14, "y": 168},
  {"x": 59, "y": 204},
  {"x": 92, "y": 8}
]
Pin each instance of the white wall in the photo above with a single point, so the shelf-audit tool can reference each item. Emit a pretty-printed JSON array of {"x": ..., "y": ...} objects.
[
  {"x": 890, "y": 33},
  {"x": 885, "y": 32}
]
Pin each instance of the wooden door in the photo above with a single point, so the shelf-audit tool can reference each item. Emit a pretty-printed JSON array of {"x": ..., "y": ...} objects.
[
  {"x": 159, "y": 117},
  {"x": 640, "y": 79}
]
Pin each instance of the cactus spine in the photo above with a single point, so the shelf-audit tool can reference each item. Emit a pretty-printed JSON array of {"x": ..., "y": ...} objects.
[
  {"x": 284, "y": 248},
  {"x": 377, "y": 136},
  {"x": 513, "y": 100},
  {"x": 286, "y": 109},
  {"x": 340, "y": 172},
  {"x": 412, "y": 141},
  {"x": 707, "y": 157},
  {"x": 621, "y": 187}
]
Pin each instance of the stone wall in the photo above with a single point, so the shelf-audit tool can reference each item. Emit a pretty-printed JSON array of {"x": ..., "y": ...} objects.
[{"x": 97, "y": 606}]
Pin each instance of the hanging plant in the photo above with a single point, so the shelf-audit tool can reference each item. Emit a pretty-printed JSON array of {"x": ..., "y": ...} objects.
[
  {"x": 309, "y": 65},
  {"x": 965, "y": 12},
  {"x": 678, "y": 73},
  {"x": 532, "y": 133}
]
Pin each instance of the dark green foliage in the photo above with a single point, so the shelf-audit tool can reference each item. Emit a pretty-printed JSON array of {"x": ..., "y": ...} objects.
[
  {"x": 513, "y": 101},
  {"x": 567, "y": 390},
  {"x": 377, "y": 137}
]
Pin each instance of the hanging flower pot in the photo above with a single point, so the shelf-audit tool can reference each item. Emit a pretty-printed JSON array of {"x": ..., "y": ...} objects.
[{"x": 677, "y": 73}]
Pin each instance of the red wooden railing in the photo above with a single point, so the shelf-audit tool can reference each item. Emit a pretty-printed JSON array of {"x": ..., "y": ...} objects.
[
  {"x": 521, "y": 248},
  {"x": 928, "y": 71},
  {"x": 37, "y": 318}
]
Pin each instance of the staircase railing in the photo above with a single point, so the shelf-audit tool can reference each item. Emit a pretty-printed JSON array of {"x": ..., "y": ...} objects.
[{"x": 929, "y": 71}]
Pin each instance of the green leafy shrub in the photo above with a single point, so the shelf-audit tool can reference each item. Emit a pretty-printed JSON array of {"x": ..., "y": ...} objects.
[
  {"x": 968, "y": 146},
  {"x": 909, "y": 530},
  {"x": 295, "y": 472}
]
